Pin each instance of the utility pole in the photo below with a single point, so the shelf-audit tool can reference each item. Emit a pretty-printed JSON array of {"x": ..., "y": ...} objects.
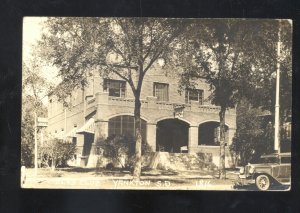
[
  {"x": 277, "y": 106},
  {"x": 35, "y": 144},
  {"x": 42, "y": 137},
  {"x": 65, "y": 120}
]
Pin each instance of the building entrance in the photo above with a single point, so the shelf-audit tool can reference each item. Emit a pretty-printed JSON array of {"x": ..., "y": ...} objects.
[{"x": 171, "y": 135}]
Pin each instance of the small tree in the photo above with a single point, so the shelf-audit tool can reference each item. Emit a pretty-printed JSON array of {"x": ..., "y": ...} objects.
[
  {"x": 118, "y": 148},
  {"x": 56, "y": 152}
]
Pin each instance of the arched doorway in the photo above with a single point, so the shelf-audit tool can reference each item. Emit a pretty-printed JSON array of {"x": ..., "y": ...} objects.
[
  {"x": 171, "y": 135},
  {"x": 125, "y": 125},
  {"x": 209, "y": 133}
]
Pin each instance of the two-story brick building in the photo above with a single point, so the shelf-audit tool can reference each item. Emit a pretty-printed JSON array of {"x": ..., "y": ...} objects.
[{"x": 106, "y": 107}]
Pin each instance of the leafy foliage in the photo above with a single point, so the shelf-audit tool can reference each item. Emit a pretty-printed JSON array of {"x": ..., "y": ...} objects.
[
  {"x": 233, "y": 55},
  {"x": 56, "y": 152},
  {"x": 27, "y": 128},
  {"x": 116, "y": 47},
  {"x": 123, "y": 47},
  {"x": 116, "y": 148},
  {"x": 254, "y": 135},
  {"x": 35, "y": 88}
]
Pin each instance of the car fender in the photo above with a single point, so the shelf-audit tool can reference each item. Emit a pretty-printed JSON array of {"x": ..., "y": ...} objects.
[{"x": 272, "y": 179}]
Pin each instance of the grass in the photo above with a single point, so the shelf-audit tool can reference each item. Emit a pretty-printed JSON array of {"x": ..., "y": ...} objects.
[
  {"x": 92, "y": 178},
  {"x": 102, "y": 172}
]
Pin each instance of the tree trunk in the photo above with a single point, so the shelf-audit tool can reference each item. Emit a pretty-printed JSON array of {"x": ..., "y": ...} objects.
[
  {"x": 138, "y": 140},
  {"x": 222, "y": 143},
  {"x": 52, "y": 165}
]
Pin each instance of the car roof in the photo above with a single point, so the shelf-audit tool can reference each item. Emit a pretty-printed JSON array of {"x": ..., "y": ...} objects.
[{"x": 285, "y": 154}]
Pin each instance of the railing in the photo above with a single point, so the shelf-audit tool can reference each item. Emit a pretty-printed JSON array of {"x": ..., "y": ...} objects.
[
  {"x": 208, "y": 108},
  {"x": 194, "y": 107},
  {"x": 165, "y": 105},
  {"x": 126, "y": 102}
]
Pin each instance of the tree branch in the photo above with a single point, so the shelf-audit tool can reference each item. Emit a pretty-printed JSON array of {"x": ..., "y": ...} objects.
[{"x": 151, "y": 43}]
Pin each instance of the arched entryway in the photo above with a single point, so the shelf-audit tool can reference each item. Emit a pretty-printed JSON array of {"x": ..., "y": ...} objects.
[
  {"x": 125, "y": 125},
  {"x": 209, "y": 133},
  {"x": 171, "y": 135}
]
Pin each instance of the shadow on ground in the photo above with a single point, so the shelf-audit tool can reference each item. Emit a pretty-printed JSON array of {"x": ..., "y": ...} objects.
[{"x": 77, "y": 169}]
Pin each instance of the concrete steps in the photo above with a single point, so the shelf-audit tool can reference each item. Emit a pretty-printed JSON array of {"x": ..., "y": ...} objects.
[{"x": 180, "y": 162}]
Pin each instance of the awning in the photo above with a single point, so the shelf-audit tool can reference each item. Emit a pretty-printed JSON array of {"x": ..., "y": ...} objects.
[{"x": 88, "y": 127}]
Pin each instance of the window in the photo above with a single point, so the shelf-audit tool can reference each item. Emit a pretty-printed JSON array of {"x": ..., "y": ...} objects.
[
  {"x": 125, "y": 125},
  {"x": 269, "y": 160},
  {"x": 194, "y": 95},
  {"x": 114, "y": 88},
  {"x": 161, "y": 91}
]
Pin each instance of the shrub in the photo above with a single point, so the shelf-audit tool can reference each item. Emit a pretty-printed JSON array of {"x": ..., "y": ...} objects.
[
  {"x": 120, "y": 149},
  {"x": 56, "y": 152}
]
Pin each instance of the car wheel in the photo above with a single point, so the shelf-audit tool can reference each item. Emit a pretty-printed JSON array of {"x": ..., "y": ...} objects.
[{"x": 263, "y": 182}]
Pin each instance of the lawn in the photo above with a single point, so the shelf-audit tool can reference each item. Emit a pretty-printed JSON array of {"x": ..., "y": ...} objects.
[{"x": 91, "y": 178}]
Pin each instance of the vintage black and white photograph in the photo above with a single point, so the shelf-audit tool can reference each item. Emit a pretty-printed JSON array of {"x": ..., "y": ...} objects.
[{"x": 156, "y": 103}]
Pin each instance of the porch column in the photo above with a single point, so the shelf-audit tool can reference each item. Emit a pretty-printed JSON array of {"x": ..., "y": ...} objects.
[
  {"x": 101, "y": 130},
  {"x": 101, "y": 125},
  {"x": 100, "y": 134},
  {"x": 151, "y": 135},
  {"x": 193, "y": 138}
]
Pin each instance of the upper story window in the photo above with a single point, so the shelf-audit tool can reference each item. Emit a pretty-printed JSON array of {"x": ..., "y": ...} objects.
[
  {"x": 161, "y": 91},
  {"x": 194, "y": 95},
  {"x": 115, "y": 88}
]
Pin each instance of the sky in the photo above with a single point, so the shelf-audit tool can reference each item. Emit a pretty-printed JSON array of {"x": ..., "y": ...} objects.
[{"x": 32, "y": 32}]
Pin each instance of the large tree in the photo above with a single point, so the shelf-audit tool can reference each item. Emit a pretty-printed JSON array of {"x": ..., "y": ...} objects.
[
  {"x": 232, "y": 55},
  {"x": 125, "y": 47},
  {"x": 264, "y": 76}
]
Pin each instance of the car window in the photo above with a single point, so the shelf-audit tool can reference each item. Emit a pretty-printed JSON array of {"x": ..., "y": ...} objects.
[
  {"x": 270, "y": 160},
  {"x": 285, "y": 159}
]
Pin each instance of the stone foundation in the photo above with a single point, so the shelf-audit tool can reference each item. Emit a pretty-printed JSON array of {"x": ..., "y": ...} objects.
[{"x": 181, "y": 161}]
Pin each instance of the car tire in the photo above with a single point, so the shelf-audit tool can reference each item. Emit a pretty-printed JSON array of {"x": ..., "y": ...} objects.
[{"x": 263, "y": 182}]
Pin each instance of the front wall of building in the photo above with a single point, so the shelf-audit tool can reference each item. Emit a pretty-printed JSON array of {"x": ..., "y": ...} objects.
[{"x": 152, "y": 111}]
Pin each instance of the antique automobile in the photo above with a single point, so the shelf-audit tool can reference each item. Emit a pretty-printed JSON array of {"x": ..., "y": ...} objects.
[{"x": 271, "y": 169}]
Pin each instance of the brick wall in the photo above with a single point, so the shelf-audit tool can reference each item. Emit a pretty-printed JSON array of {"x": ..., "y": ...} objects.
[{"x": 151, "y": 111}]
